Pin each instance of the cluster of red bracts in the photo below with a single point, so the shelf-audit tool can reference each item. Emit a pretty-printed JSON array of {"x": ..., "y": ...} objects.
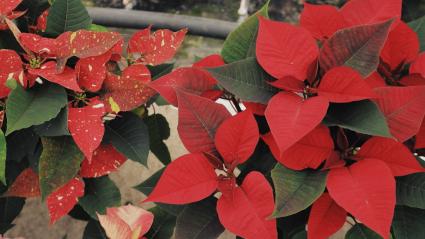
[
  {"x": 97, "y": 55},
  {"x": 359, "y": 182}
]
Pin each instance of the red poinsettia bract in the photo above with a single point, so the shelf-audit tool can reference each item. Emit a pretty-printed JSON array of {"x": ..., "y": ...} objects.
[{"x": 239, "y": 207}]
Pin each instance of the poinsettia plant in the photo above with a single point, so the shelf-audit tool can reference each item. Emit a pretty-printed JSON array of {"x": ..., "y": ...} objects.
[
  {"x": 327, "y": 129},
  {"x": 74, "y": 101}
]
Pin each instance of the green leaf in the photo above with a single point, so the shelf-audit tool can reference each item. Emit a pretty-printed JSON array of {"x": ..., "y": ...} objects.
[
  {"x": 10, "y": 207},
  {"x": 163, "y": 224},
  {"x": 57, "y": 126},
  {"x": 358, "y": 47},
  {"x": 129, "y": 135},
  {"x": 245, "y": 79},
  {"x": 360, "y": 231},
  {"x": 199, "y": 221},
  {"x": 147, "y": 186},
  {"x": 300, "y": 235},
  {"x": 240, "y": 43},
  {"x": 25, "y": 108},
  {"x": 100, "y": 193},
  {"x": 418, "y": 26},
  {"x": 67, "y": 15},
  {"x": 408, "y": 223},
  {"x": 3, "y": 149},
  {"x": 59, "y": 163},
  {"x": 94, "y": 230},
  {"x": 21, "y": 144},
  {"x": 97, "y": 28},
  {"x": 159, "y": 130},
  {"x": 360, "y": 116},
  {"x": 160, "y": 70},
  {"x": 411, "y": 190},
  {"x": 296, "y": 190}
]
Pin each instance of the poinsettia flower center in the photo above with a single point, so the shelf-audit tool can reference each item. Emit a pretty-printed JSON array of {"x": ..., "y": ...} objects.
[{"x": 35, "y": 63}]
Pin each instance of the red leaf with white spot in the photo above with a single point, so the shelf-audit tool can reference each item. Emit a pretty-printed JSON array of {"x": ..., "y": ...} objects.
[
  {"x": 246, "y": 209},
  {"x": 326, "y": 218},
  {"x": 128, "y": 91},
  {"x": 214, "y": 60},
  {"x": 86, "y": 126},
  {"x": 290, "y": 117},
  {"x": 285, "y": 50},
  {"x": 343, "y": 84},
  {"x": 61, "y": 201},
  {"x": 8, "y": 6},
  {"x": 395, "y": 154},
  {"x": 401, "y": 47},
  {"x": 92, "y": 71},
  {"x": 104, "y": 161},
  {"x": 362, "y": 12},
  {"x": 42, "y": 21},
  {"x": 83, "y": 44},
  {"x": 366, "y": 190},
  {"x": 418, "y": 66},
  {"x": 1, "y": 118},
  {"x": 255, "y": 108},
  {"x": 187, "y": 179},
  {"x": 237, "y": 137},
  {"x": 198, "y": 120},
  {"x": 157, "y": 47},
  {"x": 67, "y": 78},
  {"x": 321, "y": 20},
  {"x": 6, "y": 10},
  {"x": 404, "y": 108},
  {"x": 190, "y": 79},
  {"x": 26, "y": 185},
  {"x": 308, "y": 152},
  {"x": 37, "y": 44},
  {"x": 11, "y": 67}
]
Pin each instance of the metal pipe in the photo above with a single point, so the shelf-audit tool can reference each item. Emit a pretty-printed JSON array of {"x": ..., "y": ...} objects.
[{"x": 121, "y": 18}]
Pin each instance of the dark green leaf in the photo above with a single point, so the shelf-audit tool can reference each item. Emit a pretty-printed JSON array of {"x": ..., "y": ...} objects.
[
  {"x": 100, "y": 193},
  {"x": 419, "y": 27},
  {"x": 240, "y": 43},
  {"x": 34, "y": 9},
  {"x": 360, "y": 231},
  {"x": 245, "y": 79},
  {"x": 159, "y": 130},
  {"x": 67, "y": 15},
  {"x": 300, "y": 235},
  {"x": 411, "y": 190},
  {"x": 129, "y": 135},
  {"x": 360, "y": 116},
  {"x": 78, "y": 213},
  {"x": 147, "y": 186},
  {"x": 160, "y": 70},
  {"x": 163, "y": 224},
  {"x": 296, "y": 190},
  {"x": 408, "y": 223},
  {"x": 59, "y": 163},
  {"x": 10, "y": 208},
  {"x": 3, "y": 149},
  {"x": 25, "y": 108},
  {"x": 57, "y": 126},
  {"x": 199, "y": 221},
  {"x": 20, "y": 144},
  {"x": 94, "y": 230}
]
